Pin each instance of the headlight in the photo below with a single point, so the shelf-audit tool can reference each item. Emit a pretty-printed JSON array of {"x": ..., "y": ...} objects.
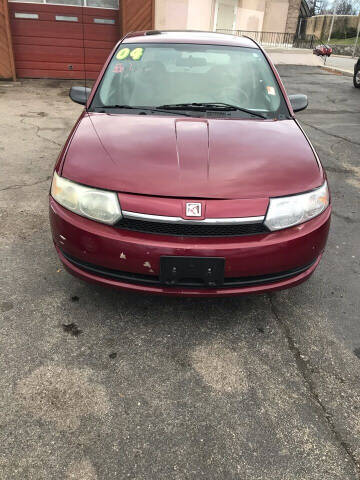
[
  {"x": 98, "y": 205},
  {"x": 285, "y": 212}
]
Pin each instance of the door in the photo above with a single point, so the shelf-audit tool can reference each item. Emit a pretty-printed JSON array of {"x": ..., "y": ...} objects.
[
  {"x": 7, "y": 67},
  {"x": 137, "y": 15},
  {"x": 225, "y": 14},
  {"x": 63, "y": 41}
]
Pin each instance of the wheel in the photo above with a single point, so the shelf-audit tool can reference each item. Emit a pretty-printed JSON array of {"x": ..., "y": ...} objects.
[{"x": 357, "y": 78}]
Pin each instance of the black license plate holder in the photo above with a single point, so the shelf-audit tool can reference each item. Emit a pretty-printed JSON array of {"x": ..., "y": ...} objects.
[{"x": 192, "y": 271}]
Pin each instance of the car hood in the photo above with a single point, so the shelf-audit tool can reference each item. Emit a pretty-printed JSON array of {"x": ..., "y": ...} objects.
[{"x": 190, "y": 157}]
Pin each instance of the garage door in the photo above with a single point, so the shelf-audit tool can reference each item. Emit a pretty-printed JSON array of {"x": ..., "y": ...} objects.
[{"x": 49, "y": 39}]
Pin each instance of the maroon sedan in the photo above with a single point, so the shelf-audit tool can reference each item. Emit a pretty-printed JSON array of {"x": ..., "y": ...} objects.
[{"x": 187, "y": 173}]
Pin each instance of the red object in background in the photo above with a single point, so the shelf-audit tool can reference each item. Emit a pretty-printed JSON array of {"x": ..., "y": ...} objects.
[
  {"x": 230, "y": 166},
  {"x": 323, "y": 50},
  {"x": 48, "y": 48}
]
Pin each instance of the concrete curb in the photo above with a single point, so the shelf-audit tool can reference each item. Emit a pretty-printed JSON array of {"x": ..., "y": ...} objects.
[{"x": 339, "y": 71}]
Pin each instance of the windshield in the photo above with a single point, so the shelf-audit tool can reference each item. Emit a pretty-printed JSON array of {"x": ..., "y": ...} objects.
[{"x": 157, "y": 75}]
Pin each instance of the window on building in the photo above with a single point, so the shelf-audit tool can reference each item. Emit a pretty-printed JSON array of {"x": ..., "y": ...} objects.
[{"x": 225, "y": 14}]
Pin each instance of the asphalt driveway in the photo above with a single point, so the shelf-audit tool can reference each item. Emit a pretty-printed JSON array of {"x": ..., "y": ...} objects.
[{"x": 100, "y": 384}]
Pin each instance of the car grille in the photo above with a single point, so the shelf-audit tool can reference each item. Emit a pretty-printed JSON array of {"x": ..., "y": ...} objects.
[
  {"x": 153, "y": 280},
  {"x": 191, "y": 230}
]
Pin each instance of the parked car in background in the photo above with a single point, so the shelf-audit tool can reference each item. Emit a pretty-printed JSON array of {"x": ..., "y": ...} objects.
[
  {"x": 188, "y": 174},
  {"x": 322, "y": 50},
  {"x": 357, "y": 74}
]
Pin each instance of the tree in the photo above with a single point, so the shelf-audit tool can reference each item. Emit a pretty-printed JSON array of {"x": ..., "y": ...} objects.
[
  {"x": 318, "y": 7},
  {"x": 343, "y": 7},
  {"x": 356, "y": 4},
  {"x": 346, "y": 7}
]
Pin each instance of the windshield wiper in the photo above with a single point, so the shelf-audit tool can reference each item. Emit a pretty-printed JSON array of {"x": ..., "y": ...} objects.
[
  {"x": 137, "y": 107},
  {"x": 210, "y": 106}
]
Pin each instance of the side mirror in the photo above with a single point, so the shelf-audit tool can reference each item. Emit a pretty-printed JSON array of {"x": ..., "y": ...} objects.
[
  {"x": 298, "y": 102},
  {"x": 79, "y": 94}
]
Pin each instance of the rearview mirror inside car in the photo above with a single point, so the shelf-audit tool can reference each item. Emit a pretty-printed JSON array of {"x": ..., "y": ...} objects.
[
  {"x": 79, "y": 94},
  {"x": 191, "y": 62},
  {"x": 298, "y": 102}
]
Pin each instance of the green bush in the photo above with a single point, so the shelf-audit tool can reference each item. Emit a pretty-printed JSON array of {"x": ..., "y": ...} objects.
[
  {"x": 341, "y": 35},
  {"x": 337, "y": 34},
  {"x": 351, "y": 32}
]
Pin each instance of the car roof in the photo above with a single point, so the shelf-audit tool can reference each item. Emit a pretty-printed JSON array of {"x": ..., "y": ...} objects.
[{"x": 188, "y": 36}]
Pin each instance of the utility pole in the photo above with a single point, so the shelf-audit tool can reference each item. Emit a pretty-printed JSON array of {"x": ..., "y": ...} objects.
[
  {"x": 332, "y": 20},
  {"x": 357, "y": 38}
]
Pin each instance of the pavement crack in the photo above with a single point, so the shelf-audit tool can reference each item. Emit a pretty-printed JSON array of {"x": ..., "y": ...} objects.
[
  {"x": 331, "y": 112},
  {"x": 22, "y": 185},
  {"x": 305, "y": 372},
  {"x": 344, "y": 171},
  {"x": 330, "y": 134},
  {"x": 37, "y": 132},
  {"x": 346, "y": 218}
]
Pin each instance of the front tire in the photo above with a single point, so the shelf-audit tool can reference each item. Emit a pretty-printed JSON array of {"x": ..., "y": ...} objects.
[{"x": 357, "y": 77}]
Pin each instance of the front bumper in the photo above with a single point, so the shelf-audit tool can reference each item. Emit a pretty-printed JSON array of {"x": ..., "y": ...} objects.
[{"x": 131, "y": 260}]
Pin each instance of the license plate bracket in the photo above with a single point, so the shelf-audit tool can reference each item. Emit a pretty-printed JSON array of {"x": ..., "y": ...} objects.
[{"x": 192, "y": 271}]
